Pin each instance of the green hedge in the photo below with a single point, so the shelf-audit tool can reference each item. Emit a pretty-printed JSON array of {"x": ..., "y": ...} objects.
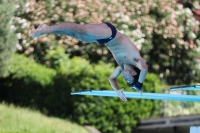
[
  {"x": 27, "y": 81},
  {"x": 49, "y": 90}
]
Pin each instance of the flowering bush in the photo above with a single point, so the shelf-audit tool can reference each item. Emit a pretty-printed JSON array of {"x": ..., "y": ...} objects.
[{"x": 164, "y": 31}]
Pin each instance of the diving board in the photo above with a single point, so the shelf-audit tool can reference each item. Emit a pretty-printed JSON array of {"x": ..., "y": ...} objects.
[
  {"x": 190, "y": 87},
  {"x": 195, "y": 129},
  {"x": 154, "y": 96}
]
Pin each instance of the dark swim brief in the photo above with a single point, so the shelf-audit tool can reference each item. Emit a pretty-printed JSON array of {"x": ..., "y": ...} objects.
[{"x": 114, "y": 32}]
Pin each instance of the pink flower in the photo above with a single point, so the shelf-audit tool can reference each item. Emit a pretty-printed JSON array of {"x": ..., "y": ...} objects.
[
  {"x": 197, "y": 12},
  {"x": 191, "y": 42},
  {"x": 194, "y": 29}
]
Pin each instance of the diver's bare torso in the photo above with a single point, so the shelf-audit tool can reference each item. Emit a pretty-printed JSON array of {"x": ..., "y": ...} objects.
[{"x": 123, "y": 50}]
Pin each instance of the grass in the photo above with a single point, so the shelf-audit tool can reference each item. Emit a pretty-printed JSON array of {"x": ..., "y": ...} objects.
[{"x": 20, "y": 120}]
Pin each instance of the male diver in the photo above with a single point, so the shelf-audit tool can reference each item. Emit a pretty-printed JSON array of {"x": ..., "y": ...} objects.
[{"x": 130, "y": 64}]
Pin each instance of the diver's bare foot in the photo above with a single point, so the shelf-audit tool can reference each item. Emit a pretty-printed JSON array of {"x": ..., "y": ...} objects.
[{"x": 41, "y": 30}]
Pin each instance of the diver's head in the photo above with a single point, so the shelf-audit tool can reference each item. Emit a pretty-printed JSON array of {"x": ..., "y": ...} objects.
[{"x": 128, "y": 76}]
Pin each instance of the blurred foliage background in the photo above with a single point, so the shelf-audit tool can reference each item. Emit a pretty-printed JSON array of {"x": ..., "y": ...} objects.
[{"x": 41, "y": 72}]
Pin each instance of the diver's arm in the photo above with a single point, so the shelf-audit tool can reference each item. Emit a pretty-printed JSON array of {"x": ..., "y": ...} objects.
[
  {"x": 113, "y": 78},
  {"x": 143, "y": 67},
  {"x": 113, "y": 83}
]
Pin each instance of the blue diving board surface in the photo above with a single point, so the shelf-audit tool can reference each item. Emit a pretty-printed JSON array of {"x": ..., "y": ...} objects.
[
  {"x": 154, "y": 96},
  {"x": 190, "y": 87}
]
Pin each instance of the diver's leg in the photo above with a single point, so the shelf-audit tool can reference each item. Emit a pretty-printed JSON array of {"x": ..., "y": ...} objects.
[
  {"x": 86, "y": 32},
  {"x": 65, "y": 28}
]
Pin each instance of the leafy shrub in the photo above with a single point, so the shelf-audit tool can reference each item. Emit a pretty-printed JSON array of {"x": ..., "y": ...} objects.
[
  {"x": 7, "y": 37},
  {"x": 105, "y": 113},
  {"x": 43, "y": 88},
  {"x": 26, "y": 82}
]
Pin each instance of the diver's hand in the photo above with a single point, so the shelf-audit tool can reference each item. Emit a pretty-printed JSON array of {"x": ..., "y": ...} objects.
[{"x": 121, "y": 94}]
